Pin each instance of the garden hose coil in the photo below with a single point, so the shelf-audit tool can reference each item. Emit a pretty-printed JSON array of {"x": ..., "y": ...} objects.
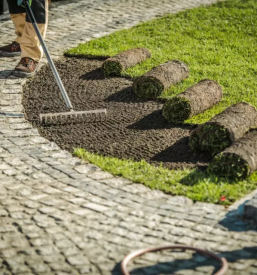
[{"x": 223, "y": 262}]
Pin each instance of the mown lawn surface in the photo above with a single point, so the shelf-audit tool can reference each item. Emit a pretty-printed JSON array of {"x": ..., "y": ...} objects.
[{"x": 217, "y": 42}]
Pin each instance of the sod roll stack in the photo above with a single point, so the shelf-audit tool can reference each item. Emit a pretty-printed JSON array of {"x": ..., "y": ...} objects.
[
  {"x": 222, "y": 130},
  {"x": 238, "y": 161},
  {"x": 193, "y": 101},
  {"x": 153, "y": 83},
  {"x": 117, "y": 64}
]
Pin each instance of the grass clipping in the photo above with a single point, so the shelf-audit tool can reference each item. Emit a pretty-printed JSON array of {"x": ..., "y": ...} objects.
[
  {"x": 193, "y": 101},
  {"x": 238, "y": 161},
  {"x": 115, "y": 65},
  {"x": 222, "y": 130},
  {"x": 153, "y": 83}
]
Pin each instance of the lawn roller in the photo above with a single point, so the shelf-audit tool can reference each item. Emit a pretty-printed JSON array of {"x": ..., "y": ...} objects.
[{"x": 91, "y": 115}]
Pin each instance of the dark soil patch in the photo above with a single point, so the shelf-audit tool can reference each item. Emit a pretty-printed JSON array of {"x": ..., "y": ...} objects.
[{"x": 134, "y": 129}]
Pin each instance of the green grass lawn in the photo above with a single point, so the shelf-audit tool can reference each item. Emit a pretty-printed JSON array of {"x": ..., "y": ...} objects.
[{"x": 218, "y": 42}]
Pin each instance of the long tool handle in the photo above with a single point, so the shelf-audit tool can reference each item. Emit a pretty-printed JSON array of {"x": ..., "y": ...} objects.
[{"x": 49, "y": 59}]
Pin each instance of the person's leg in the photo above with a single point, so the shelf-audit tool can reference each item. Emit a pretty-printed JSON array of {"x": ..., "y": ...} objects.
[
  {"x": 18, "y": 15},
  {"x": 30, "y": 45},
  {"x": 31, "y": 50}
]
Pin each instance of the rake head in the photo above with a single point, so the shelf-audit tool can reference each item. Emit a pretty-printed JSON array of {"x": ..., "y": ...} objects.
[{"x": 73, "y": 116}]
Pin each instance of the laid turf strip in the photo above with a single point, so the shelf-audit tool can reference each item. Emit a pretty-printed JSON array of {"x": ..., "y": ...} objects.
[
  {"x": 153, "y": 83},
  {"x": 222, "y": 130},
  {"x": 115, "y": 65},
  {"x": 237, "y": 161},
  {"x": 193, "y": 101},
  {"x": 134, "y": 128}
]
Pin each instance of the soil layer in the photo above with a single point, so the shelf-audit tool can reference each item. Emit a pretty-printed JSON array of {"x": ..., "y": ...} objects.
[{"x": 134, "y": 128}]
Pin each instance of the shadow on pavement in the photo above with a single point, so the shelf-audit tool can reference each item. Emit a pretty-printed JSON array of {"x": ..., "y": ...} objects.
[
  {"x": 198, "y": 262},
  {"x": 234, "y": 221},
  {"x": 4, "y": 74}
]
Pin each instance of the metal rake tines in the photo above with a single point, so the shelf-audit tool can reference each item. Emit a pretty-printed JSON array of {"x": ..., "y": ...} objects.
[{"x": 73, "y": 116}]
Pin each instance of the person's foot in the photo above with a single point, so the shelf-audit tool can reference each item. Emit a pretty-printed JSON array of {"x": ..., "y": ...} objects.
[
  {"x": 10, "y": 50},
  {"x": 27, "y": 67}
]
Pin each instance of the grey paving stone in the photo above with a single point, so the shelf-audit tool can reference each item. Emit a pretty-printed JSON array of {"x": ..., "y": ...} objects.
[
  {"x": 250, "y": 209},
  {"x": 86, "y": 168},
  {"x": 63, "y": 222},
  {"x": 77, "y": 260},
  {"x": 96, "y": 207}
]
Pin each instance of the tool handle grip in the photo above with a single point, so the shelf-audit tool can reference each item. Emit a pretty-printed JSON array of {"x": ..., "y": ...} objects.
[{"x": 47, "y": 54}]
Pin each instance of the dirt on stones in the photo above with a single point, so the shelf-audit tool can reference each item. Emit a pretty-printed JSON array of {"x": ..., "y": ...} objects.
[{"x": 134, "y": 128}]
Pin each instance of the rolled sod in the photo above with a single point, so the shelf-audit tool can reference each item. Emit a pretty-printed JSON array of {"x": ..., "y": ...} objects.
[
  {"x": 222, "y": 130},
  {"x": 193, "y": 101},
  {"x": 239, "y": 160},
  {"x": 153, "y": 83},
  {"x": 117, "y": 64}
]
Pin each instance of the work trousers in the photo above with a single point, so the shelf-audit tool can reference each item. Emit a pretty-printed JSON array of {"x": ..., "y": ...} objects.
[{"x": 26, "y": 35}]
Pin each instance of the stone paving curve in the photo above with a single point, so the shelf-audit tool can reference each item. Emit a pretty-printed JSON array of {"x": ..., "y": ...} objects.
[{"x": 60, "y": 215}]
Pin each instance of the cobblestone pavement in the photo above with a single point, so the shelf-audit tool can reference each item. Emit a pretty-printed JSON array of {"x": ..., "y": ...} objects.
[{"x": 59, "y": 215}]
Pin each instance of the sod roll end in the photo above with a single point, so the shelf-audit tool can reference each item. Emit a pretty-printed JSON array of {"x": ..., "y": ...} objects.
[
  {"x": 153, "y": 83},
  {"x": 147, "y": 87},
  {"x": 230, "y": 166},
  {"x": 115, "y": 65},
  {"x": 193, "y": 101},
  {"x": 210, "y": 137},
  {"x": 176, "y": 109},
  {"x": 239, "y": 160},
  {"x": 222, "y": 130}
]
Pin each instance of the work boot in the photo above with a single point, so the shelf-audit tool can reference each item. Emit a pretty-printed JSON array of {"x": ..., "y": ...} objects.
[
  {"x": 27, "y": 67},
  {"x": 10, "y": 50}
]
